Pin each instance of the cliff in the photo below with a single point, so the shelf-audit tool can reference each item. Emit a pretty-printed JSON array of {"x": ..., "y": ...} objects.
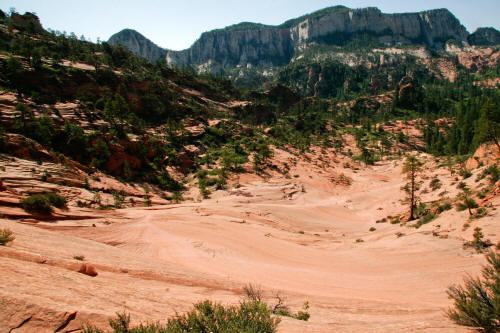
[
  {"x": 249, "y": 44},
  {"x": 138, "y": 44}
]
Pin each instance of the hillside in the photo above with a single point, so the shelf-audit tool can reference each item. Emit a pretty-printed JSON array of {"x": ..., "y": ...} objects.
[{"x": 140, "y": 188}]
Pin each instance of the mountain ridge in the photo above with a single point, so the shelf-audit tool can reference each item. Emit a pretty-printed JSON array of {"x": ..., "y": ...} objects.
[{"x": 248, "y": 44}]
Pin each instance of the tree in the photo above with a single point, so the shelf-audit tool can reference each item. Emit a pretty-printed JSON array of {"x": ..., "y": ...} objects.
[
  {"x": 36, "y": 58},
  {"x": 488, "y": 125},
  {"x": 412, "y": 167},
  {"x": 467, "y": 201},
  {"x": 477, "y": 302},
  {"x": 385, "y": 143},
  {"x": 367, "y": 156},
  {"x": 14, "y": 69},
  {"x": 23, "y": 115}
]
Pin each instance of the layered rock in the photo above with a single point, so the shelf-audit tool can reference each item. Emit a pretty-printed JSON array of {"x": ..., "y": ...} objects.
[
  {"x": 258, "y": 45},
  {"x": 138, "y": 44}
]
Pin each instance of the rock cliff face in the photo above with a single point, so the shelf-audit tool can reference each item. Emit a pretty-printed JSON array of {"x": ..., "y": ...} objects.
[
  {"x": 138, "y": 44},
  {"x": 485, "y": 37},
  {"x": 249, "y": 44},
  {"x": 430, "y": 27},
  {"x": 263, "y": 46}
]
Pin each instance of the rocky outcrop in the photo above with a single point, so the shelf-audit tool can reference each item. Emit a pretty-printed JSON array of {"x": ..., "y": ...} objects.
[
  {"x": 262, "y": 46},
  {"x": 138, "y": 44},
  {"x": 250, "y": 44},
  {"x": 27, "y": 22},
  {"x": 485, "y": 37},
  {"x": 431, "y": 27}
]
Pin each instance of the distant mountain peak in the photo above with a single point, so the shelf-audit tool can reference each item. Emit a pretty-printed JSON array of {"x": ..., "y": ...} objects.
[
  {"x": 485, "y": 37},
  {"x": 138, "y": 44}
]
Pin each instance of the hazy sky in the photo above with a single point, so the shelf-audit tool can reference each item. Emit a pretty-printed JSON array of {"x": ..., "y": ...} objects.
[{"x": 176, "y": 24}]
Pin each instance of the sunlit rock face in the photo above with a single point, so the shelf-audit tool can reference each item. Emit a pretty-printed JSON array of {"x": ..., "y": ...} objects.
[{"x": 249, "y": 44}]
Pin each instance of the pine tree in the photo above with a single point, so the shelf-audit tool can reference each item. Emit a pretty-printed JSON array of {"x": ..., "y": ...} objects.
[
  {"x": 411, "y": 167},
  {"x": 488, "y": 125}
]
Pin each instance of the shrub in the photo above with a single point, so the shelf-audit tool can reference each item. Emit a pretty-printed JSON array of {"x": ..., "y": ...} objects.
[
  {"x": 302, "y": 315},
  {"x": 477, "y": 301},
  {"x": 119, "y": 199},
  {"x": 435, "y": 184},
  {"x": 42, "y": 203},
  {"x": 494, "y": 173},
  {"x": 6, "y": 236},
  {"x": 253, "y": 293},
  {"x": 465, "y": 173},
  {"x": 55, "y": 199},
  {"x": 467, "y": 203},
  {"x": 479, "y": 244},
  {"x": 480, "y": 212},
  {"x": 205, "y": 317},
  {"x": 444, "y": 207},
  {"x": 37, "y": 203}
]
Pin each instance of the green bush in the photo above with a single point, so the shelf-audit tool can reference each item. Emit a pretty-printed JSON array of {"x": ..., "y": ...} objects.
[
  {"x": 6, "y": 236},
  {"x": 205, "y": 317},
  {"x": 55, "y": 199},
  {"x": 477, "y": 301},
  {"x": 303, "y": 315},
  {"x": 37, "y": 203},
  {"x": 479, "y": 243},
  {"x": 435, "y": 184},
  {"x": 42, "y": 203}
]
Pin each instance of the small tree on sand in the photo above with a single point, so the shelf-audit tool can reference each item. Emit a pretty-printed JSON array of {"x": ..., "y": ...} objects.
[
  {"x": 467, "y": 201},
  {"x": 411, "y": 168}
]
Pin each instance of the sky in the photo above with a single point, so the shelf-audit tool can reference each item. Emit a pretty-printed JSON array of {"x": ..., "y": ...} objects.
[{"x": 176, "y": 24}]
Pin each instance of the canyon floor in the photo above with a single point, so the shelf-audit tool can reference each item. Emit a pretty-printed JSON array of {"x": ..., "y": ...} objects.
[{"x": 306, "y": 235}]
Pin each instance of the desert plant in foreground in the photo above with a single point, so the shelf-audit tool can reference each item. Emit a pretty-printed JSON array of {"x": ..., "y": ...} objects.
[
  {"x": 477, "y": 301},
  {"x": 205, "y": 317},
  {"x": 6, "y": 236}
]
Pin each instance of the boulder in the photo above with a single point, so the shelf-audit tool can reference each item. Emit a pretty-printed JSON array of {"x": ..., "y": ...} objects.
[{"x": 88, "y": 269}]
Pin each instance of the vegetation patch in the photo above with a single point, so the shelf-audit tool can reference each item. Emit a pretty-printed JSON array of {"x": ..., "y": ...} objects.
[
  {"x": 477, "y": 300},
  {"x": 43, "y": 203},
  {"x": 6, "y": 236},
  {"x": 206, "y": 316}
]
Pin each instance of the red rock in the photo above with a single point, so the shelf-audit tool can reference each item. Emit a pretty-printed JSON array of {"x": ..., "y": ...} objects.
[
  {"x": 2, "y": 186},
  {"x": 88, "y": 269}
]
